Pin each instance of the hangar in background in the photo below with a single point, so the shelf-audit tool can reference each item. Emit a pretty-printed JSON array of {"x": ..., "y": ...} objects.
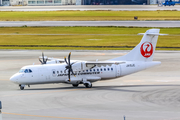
[
  {"x": 113, "y": 2},
  {"x": 76, "y": 2}
]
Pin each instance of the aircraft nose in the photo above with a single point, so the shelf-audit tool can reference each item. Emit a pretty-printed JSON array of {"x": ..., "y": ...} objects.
[{"x": 14, "y": 78}]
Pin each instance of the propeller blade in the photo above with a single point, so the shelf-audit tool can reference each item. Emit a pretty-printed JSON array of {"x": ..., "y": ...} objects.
[
  {"x": 69, "y": 75},
  {"x": 43, "y": 57},
  {"x": 40, "y": 61},
  {"x": 65, "y": 60},
  {"x": 69, "y": 58},
  {"x": 69, "y": 66},
  {"x": 72, "y": 63},
  {"x": 45, "y": 60},
  {"x": 73, "y": 73}
]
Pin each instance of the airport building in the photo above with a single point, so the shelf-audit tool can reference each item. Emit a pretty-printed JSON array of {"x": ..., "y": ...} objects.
[
  {"x": 76, "y": 2},
  {"x": 42, "y": 2}
]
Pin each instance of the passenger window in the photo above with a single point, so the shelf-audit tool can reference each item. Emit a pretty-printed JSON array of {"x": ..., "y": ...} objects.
[
  {"x": 101, "y": 69},
  {"x": 90, "y": 70},
  {"x": 57, "y": 72},
  {"x": 30, "y": 70},
  {"x": 104, "y": 69},
  {"x": 86, "y": 70},
  {"x": 112, "y": 69},
  {"x": 94, "y": 70},
  {"x": 108, "y": 69},
  {"x": 61, "y": 71},
  {"x": 53, "y": 72},
  {"x": 97, "y": 69}
]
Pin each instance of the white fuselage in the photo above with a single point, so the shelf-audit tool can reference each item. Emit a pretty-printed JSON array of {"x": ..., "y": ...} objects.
[{"x": 55, "y": 73}]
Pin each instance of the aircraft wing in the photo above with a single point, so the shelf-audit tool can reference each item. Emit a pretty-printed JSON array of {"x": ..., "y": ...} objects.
[
  {"x": 52, "y": 60},
  {"x": 101, "y": 63},
  {"x": 60, "y": 60}
]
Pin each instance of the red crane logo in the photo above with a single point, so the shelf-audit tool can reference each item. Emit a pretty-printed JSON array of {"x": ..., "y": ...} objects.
[{"x": 146, "y": 49}]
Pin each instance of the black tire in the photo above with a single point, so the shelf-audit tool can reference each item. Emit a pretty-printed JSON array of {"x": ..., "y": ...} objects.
[
  {"x": 88, "y": 85},
  {"x": 75, "y": 85},
  {"x": 22, "y": 88}
]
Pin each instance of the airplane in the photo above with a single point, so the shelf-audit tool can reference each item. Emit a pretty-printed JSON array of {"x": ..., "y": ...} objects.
[{"x": 77, "y": 72}]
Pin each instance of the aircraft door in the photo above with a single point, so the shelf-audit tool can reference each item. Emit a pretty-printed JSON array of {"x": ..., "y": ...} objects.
[{"x": 118, "y": 70}]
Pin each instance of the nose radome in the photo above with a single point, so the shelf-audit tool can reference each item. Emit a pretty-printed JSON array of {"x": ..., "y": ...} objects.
[{"x": 14, "y": 78}]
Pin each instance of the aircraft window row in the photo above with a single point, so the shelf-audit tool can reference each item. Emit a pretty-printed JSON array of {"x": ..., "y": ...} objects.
[
  {"x": 25, "y": 71},
  {"x": 108, "y": 69},
  {"x": 94, "y": 70}
]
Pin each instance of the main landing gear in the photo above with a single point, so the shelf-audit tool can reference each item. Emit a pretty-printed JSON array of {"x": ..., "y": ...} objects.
[
  {"x": 88, "y": 85},
  {"x": 75, "y": 85}
]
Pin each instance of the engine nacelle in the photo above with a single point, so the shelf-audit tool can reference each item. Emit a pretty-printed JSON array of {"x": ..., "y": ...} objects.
[{"x": 52, "y": 62}]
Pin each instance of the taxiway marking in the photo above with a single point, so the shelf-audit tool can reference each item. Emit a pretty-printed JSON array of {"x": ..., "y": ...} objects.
[
  {"x": 41, "y": 92},
  {"x": 51, "y": 116}
]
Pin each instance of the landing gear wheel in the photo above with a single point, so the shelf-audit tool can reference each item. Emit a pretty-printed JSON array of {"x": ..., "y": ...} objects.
[
  {"x": 88, "y": 85},
  {"x": 22, "y": 88},
  {"x": 75, "y": 85}
]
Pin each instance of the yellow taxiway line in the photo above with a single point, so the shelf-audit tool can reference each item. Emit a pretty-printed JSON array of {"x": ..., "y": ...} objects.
[
  {"x": 35, "y": 93},
  {"x": 51, "y": 116}
]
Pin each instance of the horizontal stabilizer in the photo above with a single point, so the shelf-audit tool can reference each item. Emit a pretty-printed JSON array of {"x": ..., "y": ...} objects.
[
  {"x": 153, "y": 34},
  {"x": 144, "y": 51}
]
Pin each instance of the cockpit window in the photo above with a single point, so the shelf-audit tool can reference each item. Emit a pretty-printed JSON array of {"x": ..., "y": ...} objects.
[
  {"x": 25, "y": 71},
  {"x": 21, "y": 70},
  {"x": 30, "y": 70}
]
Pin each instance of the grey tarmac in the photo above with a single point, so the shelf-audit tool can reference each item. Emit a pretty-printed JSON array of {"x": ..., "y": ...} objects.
[
  {"x": 152, "y": 94},
  {"x": 91, "y": 23},
  {"x": 90, "y": 7}
]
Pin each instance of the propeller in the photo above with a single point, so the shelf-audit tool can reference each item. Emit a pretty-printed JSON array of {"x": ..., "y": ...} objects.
[
  {"x": 44, "y": 60},
  {"x": 69, "y": 66}
]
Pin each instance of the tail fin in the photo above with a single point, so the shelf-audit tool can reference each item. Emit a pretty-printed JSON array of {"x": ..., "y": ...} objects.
[{"x": 144, "y": 51}]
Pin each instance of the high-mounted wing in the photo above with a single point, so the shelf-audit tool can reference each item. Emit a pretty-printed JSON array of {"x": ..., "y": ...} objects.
[
  {"x": 52, "y": 60},
  {"x": 90, "y": 64}
]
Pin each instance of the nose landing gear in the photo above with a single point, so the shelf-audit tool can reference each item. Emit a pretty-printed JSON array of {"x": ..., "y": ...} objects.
[{"x": 21, "y": 87}]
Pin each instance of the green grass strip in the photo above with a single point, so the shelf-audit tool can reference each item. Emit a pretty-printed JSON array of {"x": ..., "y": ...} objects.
[
  {"x": 81, "y": 38},
  {"x": 88, "y": 15}
]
